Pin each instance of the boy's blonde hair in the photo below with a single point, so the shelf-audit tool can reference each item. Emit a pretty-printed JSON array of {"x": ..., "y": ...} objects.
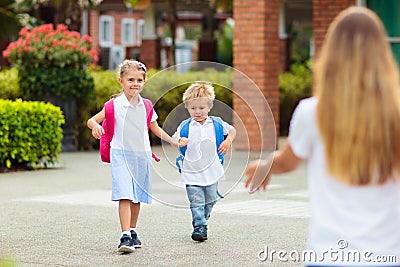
[
  {"x": 358, "y": 112},
  {"x": 200, "y": 89},
  {"x": 129, "y": 64}
]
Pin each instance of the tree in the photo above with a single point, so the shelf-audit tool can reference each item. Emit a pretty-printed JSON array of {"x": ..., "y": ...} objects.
[{"x": 14, "y": 15}]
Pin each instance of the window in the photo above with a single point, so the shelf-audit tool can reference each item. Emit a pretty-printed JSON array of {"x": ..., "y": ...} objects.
[
  {"x": 128, "y": 32},
  {"x": 389, "y": 12},
  {"x": 106, "y": 31},
  {"x": 140, "y": 29}
]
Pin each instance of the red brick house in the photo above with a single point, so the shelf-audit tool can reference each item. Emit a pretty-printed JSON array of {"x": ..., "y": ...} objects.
[{"x": 112, "y": 23}]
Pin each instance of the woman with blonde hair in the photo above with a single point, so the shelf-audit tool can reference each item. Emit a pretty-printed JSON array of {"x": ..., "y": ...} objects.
[{"x": 349, "y": 133}]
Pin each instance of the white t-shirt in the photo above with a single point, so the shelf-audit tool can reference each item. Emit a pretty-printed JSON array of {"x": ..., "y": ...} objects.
[
  {"x": 130, "y": 132},
  {"x": 201, "y": 165},
  {"x": 346, "y": 220}
]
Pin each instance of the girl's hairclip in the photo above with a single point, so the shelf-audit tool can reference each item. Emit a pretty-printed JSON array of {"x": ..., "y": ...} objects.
[{"x": 143, "y": 67}]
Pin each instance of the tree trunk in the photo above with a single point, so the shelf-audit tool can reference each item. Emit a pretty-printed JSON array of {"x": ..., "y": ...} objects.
[
  {"x": 74, "y": 14},
  {"x": 68, "y": 12}
]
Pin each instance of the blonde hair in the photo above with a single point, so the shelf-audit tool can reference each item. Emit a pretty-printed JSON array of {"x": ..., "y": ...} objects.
[
  {"x": 358, "y": 112},
  {"x": 129, "y": 64},
  {"x": 200, "y": 89}
]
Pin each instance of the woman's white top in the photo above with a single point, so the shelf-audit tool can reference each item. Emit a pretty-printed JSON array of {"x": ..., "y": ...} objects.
[
  {"x": 201, "y": 165},
  {"x": 130, "y": 132},
  {"x": 347, "y": 221}
]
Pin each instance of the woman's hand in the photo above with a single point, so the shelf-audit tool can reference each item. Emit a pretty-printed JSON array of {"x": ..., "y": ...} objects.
[{"x": 257, "y": 173}]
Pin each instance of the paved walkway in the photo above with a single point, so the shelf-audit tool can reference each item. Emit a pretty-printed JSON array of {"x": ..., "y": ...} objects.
[{"x": 64, "y": 217}]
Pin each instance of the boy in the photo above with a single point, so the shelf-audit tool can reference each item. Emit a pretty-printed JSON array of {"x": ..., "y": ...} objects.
[{"x": 201, "y": 167}]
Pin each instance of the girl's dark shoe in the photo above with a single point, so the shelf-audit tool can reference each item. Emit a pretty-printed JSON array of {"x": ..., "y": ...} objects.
[
  {"x": 126, "y": 244},
  {"x": 136, "y": 240}
]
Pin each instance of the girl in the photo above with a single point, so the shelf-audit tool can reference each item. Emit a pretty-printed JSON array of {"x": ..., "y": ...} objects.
[
  {"x": 130, "y": 150},
  {"x": 349, "y": 133}
]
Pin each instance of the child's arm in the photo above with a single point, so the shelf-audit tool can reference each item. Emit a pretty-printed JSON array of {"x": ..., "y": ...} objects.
[
  {"x": 94, "y": 124},
  {"x": 159, "y": 132},
  {"x": 226, "y": 144},
  {"x": 182, "y": 141}
]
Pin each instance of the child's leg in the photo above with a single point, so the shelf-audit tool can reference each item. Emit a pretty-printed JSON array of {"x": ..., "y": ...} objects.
[
  {"x": 124, "y": 211},
  {"x": 135, "y": 209},
  {"x": 197, "y": 201},
  {"x": 125, "y": 214},
  {"x": 210, "y": 193}
]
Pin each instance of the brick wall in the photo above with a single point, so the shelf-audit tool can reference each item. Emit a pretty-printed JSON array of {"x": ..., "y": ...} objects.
[
  {"x": 94, "y": 28},
  {"x": 150, "y": 53},
  {"x": 323, "y": 13},
  {"x": 256, "y": 54}
]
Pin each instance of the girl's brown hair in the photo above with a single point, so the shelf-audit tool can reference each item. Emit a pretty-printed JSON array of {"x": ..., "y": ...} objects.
[
  {"x": 358, "y": 112},
  {"x": 129, "y": 64}
]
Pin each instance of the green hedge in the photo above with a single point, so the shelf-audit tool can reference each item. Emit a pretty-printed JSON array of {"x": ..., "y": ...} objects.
[
  {"x": 9, "y": 87},
  {"x": 29, "y": 132},
  {"x": 62, "y": 82},
  {"x": 293, "y": 86}
]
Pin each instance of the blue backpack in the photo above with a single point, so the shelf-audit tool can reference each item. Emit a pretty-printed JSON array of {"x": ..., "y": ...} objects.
[{"x": 184, "y": 132}]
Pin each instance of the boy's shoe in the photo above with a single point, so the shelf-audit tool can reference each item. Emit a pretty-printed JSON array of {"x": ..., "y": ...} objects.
[
  {"x": 136, "y": 240},
  {"x": 200, "y": 233},
  {"x": 126, "y": 244}
]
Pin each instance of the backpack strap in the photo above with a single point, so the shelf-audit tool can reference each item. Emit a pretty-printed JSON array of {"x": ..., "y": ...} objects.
[
  {"x": 219, "y": 135},
  {"x": 219, "y": 138},
  {"x": 184, "y": 132},
  {"x": 149, "y": 114},
  {"x": 149, "y": 110},
  {"x": 110, "y": 119}
]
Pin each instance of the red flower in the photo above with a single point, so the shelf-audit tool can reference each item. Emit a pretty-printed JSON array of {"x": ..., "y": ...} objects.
[
  {"x": 46, "y": 47},
  {"x": 87, "y": 38}
]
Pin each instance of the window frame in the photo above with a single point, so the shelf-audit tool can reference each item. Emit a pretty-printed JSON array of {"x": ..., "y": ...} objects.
[
  {"x": 102, "y": 20},
  {"x": 139, "y": 31},
  {"x": 127, "y": 40}
]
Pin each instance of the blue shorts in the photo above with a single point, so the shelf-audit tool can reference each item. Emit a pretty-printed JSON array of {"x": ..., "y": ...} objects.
[{"x": 131, "y": 177}]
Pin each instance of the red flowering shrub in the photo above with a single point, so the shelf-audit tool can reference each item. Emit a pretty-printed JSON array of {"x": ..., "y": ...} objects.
[
  {"x": 46, "y": 47},
  {"x": 52, "y": 62}
]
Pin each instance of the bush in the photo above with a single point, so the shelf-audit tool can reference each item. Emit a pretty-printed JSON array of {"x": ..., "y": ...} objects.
[
  {"x": 9, "y": 87},
  {"x": 293, "y": 86},
  {"x": 45, "y": 47},
  {"x": 29, "y": 132},
  {"x": 52, "y": 62},
  {"x": 65, "y": 83}
]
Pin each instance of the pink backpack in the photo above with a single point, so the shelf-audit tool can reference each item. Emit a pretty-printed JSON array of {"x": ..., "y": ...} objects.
[{"x": 109, "y": 124}]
